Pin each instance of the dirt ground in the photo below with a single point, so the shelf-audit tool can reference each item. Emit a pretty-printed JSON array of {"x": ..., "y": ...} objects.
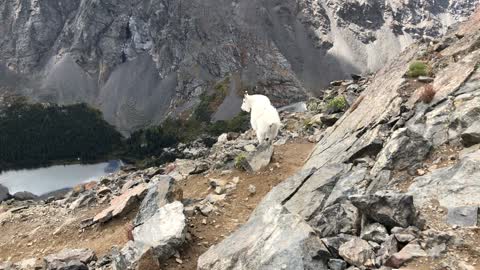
[{"x": 40, "y": 230}]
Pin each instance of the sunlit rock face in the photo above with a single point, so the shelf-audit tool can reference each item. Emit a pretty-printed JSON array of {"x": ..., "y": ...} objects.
[{"x": 141, "y": 61}]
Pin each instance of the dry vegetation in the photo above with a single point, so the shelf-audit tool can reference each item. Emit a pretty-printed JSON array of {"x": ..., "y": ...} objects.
[{"x": 427, "y": 94}]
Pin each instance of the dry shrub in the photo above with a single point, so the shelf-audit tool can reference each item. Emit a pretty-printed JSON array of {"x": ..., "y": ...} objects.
[
  {"x": 129, "y": 231},
  {"x": 427, "y": 94}
]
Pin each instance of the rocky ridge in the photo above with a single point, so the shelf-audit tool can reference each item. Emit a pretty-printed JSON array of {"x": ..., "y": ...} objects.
[{"x": 390, "y": 184}]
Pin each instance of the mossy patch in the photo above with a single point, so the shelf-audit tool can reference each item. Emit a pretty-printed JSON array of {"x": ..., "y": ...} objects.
[{"x": 418, "y": 68}]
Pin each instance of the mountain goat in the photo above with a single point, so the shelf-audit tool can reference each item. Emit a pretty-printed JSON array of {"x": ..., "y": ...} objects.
[{"x": 264, "y": 117}]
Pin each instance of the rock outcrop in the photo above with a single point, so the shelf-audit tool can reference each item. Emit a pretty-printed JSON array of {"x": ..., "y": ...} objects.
[{"x": 367, "y": 187}]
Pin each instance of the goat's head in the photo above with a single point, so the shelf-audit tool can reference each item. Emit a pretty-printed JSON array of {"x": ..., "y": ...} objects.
[{"x": 246, "y": 105}]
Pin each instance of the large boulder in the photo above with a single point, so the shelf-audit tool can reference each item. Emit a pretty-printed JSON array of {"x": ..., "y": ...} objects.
[
  {"x": 387, "y": 208},
  {"x": 160, "y": 193},
  {"x": 70, "y": 259},
  {"x": 274, "y": 239},
  {"x": 165, "y": 231},
  {"x": 4, "y": 194},
  {"x": 259, "y": 159},
  {"x": 156, "y": 239},
  {"x": 452, "y": 186}
]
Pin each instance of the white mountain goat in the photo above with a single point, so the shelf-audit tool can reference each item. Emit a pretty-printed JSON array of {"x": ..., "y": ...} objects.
[{"x": 264, "y": 117}]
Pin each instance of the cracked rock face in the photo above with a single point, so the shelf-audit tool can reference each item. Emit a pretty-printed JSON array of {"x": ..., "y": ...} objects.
[{"x": 138, "y": 62}]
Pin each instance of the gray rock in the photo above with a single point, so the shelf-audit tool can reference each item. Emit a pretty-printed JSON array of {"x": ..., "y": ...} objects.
[
  {"x": 330, "y": 119},
  {"x": 336, "y": 219},
  {"x": 259, "y": 159},
  {"x": 463, "y": 216},
  {"x": 24, "y": 196},
  {"x": 349, "y": 183},
  {"x": 471, "y": 136},
  {"x": 186, "y": 167},
  {"x": 375, "y": 232},
  {"x": 333, "y": 243},
  {"x": 206, "y": 208},
  {"x": 453, "y": 186},
  {"x": 164, "y": 231},
  {"x": 275, "y": 239},
  {"x": 83, "y": 200},
  {"x": 405, "y": 235},
  {"x": 389, "y": 209},
  {"x": 404, "y": 149},
  {"x": 358, "y": 252},
  {"x": 70, "y": 259},
  {"x": 69, "y": 265},
  {"x": 160, "y": 193},
  {"x": 336, "y": 264},
  {"x": 387, "y": 249},
  {"x": 129, "y": 256},
  {"x": 380, "y": 181},
  {"x": 4, "y": 195},
  {"x": 252, "y": 189}
]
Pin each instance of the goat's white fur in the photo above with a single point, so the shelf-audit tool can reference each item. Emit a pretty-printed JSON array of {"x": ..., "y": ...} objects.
[{"x": 264, "y": 117}]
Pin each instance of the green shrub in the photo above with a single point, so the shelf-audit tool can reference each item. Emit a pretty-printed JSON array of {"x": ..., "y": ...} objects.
[
  {"x": 240, "y": 159},
  {"x": 337, "y": 104},
  {"x": 418, "y": 68}
]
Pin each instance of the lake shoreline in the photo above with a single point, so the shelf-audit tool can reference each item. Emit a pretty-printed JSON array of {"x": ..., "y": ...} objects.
[{"x": 50, "y": 179}]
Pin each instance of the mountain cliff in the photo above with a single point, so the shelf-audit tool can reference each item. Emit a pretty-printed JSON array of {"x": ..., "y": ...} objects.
[{"x": 139, "y": 61}]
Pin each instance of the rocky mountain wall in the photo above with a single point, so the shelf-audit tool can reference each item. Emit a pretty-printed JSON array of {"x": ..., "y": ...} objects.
[{"x": 140, "y": 60}]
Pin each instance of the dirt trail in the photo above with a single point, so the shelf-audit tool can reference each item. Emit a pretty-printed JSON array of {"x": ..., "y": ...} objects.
[{"x": 236, "y": 208}]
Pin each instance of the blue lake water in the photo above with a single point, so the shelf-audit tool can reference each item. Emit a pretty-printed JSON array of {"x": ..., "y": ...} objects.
[{"x": 43, "y": 180}]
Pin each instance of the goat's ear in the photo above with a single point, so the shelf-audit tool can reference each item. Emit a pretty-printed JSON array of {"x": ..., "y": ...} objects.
[{"x": 246, "y": 94}]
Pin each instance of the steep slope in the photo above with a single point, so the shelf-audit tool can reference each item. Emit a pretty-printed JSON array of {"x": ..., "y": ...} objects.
[
  {"x": 393, "y": 181},
  {"x": 138, "y": 61}
]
